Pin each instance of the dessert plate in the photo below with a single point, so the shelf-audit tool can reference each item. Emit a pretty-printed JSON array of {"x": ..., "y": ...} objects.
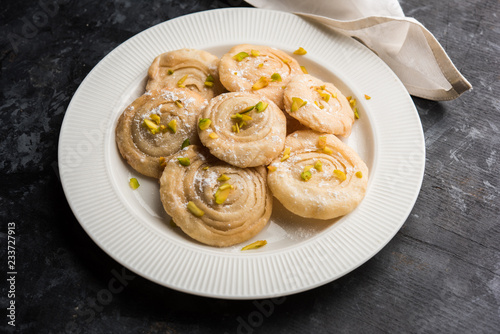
[{"x": 132, "y": 227}]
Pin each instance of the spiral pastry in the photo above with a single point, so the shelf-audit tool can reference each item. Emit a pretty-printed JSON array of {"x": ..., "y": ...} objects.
[
  {"x": 258, "y": 69},
  {"x": 318, "y": 105},
  {"x": 196, "y": 70},
  {"x": 318, "y": 176},
  {"x": 214, "y": 202},
  {"x": 155, "y": 126},
  {"x": 243, "y": 129}
]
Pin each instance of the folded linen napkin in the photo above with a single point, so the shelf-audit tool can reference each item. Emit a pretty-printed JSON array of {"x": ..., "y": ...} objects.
[{"x": 405, "y": 45}]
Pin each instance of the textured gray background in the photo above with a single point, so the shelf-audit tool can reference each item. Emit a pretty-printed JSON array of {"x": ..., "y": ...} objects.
[{"x": 440, "y": 274}]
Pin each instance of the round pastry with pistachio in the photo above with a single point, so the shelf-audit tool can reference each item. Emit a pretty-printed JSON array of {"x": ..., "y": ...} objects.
[
  {"x": 213, "y": 202},
  {"x": 318, "y": 176},
  {"x": 262, "y": 70},
  {"x": 156, "y": 125},
  {"x": 193, "y": 69},
  {"x": 318, "y": 105},
  {"x": 243, "y": 129}
]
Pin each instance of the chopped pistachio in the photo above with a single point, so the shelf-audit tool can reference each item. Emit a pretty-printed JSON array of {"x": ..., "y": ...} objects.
[
  {"x": 286, "y": 154},
  {"x": 247, "y": 109},
  {"x": 155, "y": 118},
  {"x": 327, "y": 150},
  {"x": 334, "y": 95},
  {"x": 356, "y": 115},
  {"x": 255, "y": 53},
  {"x": 133, "y": 183},
  {"x": 223, "y": 177},
  {"x": 185, "y": 143},
  {"x": 237, "y": 116},
  {"x": 180, "y": 83},
  {"x": 339, "y": 174},
  {"x": 184, "y": 161},
  {"x": 163, "y": 162},
  {"x": 170, "y": 72},
  {"x": 349, "y": 98},
  {"x": 152, "y": 126},
  {"x": 163, "y": 128},
  {"x": 261, "y": 83},
  {"x": 222, "y": 193},
  {"x": 297, "y": 103},
  {"x": 320, "y": 106},
  {"x": 246, "y": 118},
  {"x": 260, "y": 65},
  {"x": 205, "y": 168},
  {"x": 178, "y": 103},
  {"x": 204, "y": 123},
  {"x": 322, "y": 141},
  {"x": 271, "y": 168},
  {"x": 367, "y": 97},
  {"x": 240, "y": 56},
  {"x": 325, "y": 96},
  {"x": 352, "y": 102},
  {"x": 322, "y": 87},
  {"x": 359, "y": 174},
  {"x": 261, "y": 106},
  {"x": 300, "y": 51},
  {"x": 275, "y": 77},
  {"x": 172, "y": 125},
  {"x": 213, "y": 135},
  {"x": 318, "y": 166},
  {"x": 236, "y": 128},
  {"x": 285, "y": 60},
  {"x": 304, "y": 70},
  {"x": 306, "y": 174},
  {"x": 226, "y": 186},
  {"x": 194, "y": 209},
  {"x": 209, "y": 81},
  {"x": 242, "y": 124},
  {"x": 255, "y": 245}
]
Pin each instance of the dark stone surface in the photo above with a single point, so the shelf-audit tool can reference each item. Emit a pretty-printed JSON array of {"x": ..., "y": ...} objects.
[{"x": 440, "y": 274}]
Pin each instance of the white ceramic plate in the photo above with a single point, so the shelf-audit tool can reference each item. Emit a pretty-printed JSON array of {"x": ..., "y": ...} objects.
[{"x": 301, "y": 254}]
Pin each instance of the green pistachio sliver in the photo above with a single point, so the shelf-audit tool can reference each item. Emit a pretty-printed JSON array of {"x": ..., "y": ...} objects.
[
  {"x": 209, "y": 81},
  {"x": 172, "y": 125},
  {"x": 275, "y": 77},
  {"x": 194, "y": 209},
  {"x": 247, "y": 110},
  {"x": 155, "y": 118},
  {"x": 222, "y": 193},
  {"x": 255, "y": 53},
  {"x": 204, "y": 123},
  {"x": 237, "y": 116},
  {"x": 133, "y": 183},
  {"x": 261, "y": 83},
  {"x": 184, "y": 161},
  {"x": 356, "y": 115},
  {"x": 178, "y": 103},
  {"x": 185, "y": 143},
  {"x": 304, "y": 70},
  {"x": 261, "y": 106},
  {"x": 339, "y": 174},
  {"x": 170, "y": 72},
  {"x": 180, "y": 83},
  {"x": 300, "y": 51},
  {"x": 318, "y": 166},
  {"x": 223, "y": 177},
  {"x": 240, "y": 56},
  {"x": 297, "y": 103},
  {"x": 255, "y": 245},
  {"x": 151, "y": 126}
]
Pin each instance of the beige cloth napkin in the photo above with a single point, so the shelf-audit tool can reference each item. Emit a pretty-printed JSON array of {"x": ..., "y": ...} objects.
[{"x": 409, "y": 49}]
